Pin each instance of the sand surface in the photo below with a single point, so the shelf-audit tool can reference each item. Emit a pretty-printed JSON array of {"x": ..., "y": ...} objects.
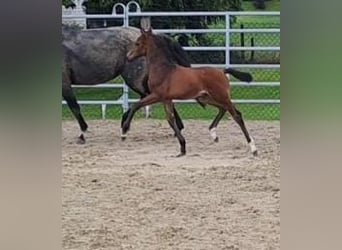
[{"x": 136, "y": 195}]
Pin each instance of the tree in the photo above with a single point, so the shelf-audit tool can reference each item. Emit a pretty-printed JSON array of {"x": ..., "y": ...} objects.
[
  {"x": 259, "y": 4},
  {"x": 235, "y": 5},
  {"x": 68, "y": 3}
]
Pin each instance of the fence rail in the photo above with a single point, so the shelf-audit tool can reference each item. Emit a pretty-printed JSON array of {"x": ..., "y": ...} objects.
[
  {"x": 124, "y": 100},
  {"x": 203, "y": 31},
  {"x": 205, "y": 13}
]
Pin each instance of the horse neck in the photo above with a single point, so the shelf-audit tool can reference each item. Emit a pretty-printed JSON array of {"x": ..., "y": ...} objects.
[{"x": 158, "y": 62}]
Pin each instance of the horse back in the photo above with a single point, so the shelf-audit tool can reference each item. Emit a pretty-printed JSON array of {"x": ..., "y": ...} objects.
[
  {"x": 195, "y": 80},
  {"x": 202, "y": 74},
  {"x": 97, "y": 55}
]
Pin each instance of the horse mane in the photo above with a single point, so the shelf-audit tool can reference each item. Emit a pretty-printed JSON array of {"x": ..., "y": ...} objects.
[{"x": 173, "y": 51}]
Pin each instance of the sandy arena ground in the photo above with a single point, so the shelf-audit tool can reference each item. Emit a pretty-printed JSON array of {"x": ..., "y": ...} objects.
[{"x": 137, "y": 195}]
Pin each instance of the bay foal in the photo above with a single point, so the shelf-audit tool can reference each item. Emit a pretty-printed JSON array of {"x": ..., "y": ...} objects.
[{"x": 168, "y": 81}]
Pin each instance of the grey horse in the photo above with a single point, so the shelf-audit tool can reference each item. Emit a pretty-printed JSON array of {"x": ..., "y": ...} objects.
[{"x": 95, "y": 56}]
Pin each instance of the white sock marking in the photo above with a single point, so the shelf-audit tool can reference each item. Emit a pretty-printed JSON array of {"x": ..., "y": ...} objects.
[
  {"x": 122, "y": 135},
  {"x": 147, "y": 112},
  {"x": 252, "y": 145},
  {"x": 213, "y": 133}
]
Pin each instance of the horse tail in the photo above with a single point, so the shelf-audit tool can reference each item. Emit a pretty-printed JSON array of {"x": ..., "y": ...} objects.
[{"x": 243, "y": 76}]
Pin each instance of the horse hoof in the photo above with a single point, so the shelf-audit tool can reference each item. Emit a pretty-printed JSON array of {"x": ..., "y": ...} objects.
[
  {"x": 81, "y": 140},
  {"x": 180, "y": 155},
  {"x": 123, "y": 138},
  {"x": 216, "y": 139},
  {"x": 255, "y": 153}
]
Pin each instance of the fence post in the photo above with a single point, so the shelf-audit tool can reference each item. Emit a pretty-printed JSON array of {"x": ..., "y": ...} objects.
[
  {"x": 125, "y": 90},
  {"x": 125, "y": 98},
  {"x": 137, "y": 6},
  {"x": 227, "y": 40},
  {"x": 252, "y": 52},
  {"x": 115, "y": 10},
  {"x": 103, "y": 111},
  {"x": 242, "y": 44},
  {"x": 125, "y": 103}
]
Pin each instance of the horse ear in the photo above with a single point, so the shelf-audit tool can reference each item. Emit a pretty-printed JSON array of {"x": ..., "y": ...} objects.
[{"x": 145, "y": 25}]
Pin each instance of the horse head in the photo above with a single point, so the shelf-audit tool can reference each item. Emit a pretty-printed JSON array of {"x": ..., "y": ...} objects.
[{"x": 140, "y": 46}]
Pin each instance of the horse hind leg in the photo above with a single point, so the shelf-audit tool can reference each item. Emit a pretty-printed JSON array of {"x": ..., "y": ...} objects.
[
  {"x": 169, "y": 109},
  {"x": 178, "y": 120},
  {"x": 237, "y": 116},
  {"x": 213, "y": 125},
  {"x": 207, "y": 99},
  {"x": 70, "y": 98}
]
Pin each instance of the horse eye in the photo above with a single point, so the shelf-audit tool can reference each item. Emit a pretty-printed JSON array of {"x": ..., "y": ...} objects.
[{"x": 137, "y": 44}]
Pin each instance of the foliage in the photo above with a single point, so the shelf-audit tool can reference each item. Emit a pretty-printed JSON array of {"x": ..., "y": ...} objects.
[
  {"x": 105, "y": 6},
  {"x": 68, "y": 3},
  {"x": 259, "y": 4},
  {"x": 235, "y": 5}
]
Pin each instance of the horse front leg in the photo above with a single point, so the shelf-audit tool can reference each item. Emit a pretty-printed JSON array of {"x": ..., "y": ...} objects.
[
  {"x": 70, "y": 99},
  {"x": 148, "y": 100},
  {"x": 123, "y": 119}
]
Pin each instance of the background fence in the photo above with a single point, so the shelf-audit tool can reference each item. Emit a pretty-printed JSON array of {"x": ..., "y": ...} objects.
[{"x": 248, "y": 41}]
